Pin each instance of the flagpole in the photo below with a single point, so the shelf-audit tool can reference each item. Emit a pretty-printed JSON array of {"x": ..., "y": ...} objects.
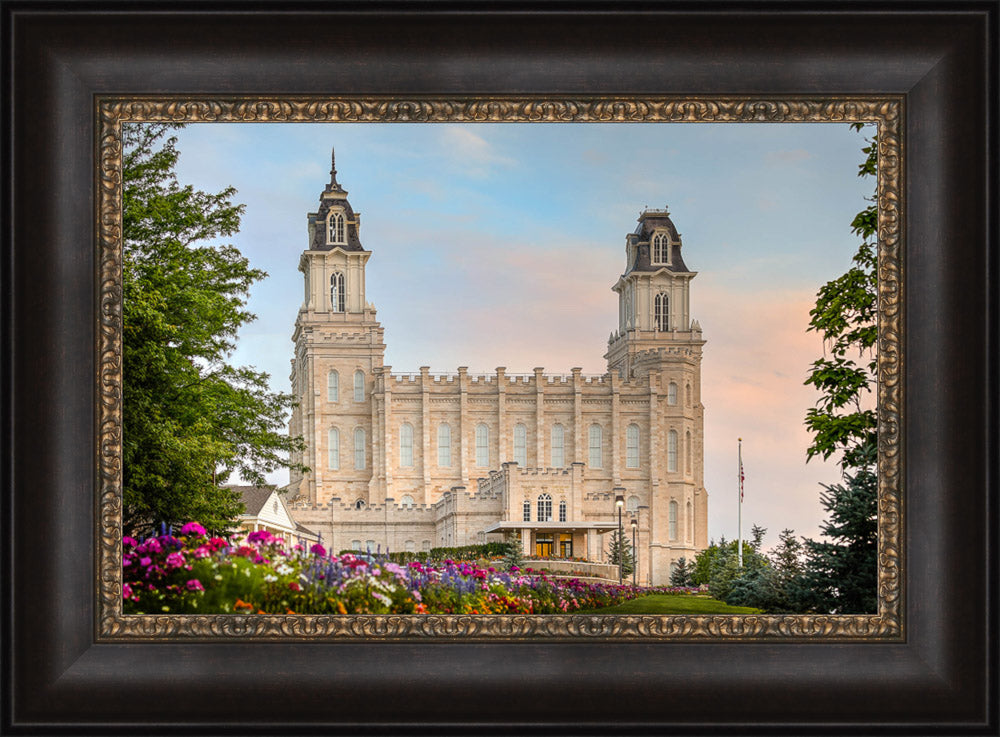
[{"x": 739, "y": 516}]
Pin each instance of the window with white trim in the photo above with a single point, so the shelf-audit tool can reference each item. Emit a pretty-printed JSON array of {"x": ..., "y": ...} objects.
[
  {"x": 482, "y": 445},
  {"x": 661, "y": 316},
  {"x": 359, "y": 386},
  {"x": 526, "y": 511},
  {"x": 444, "y": 445},
  {"x": 410, "y": 546},
  {"x": 661, "y": 249},
  {"x": 333, "y": 449},
  {"x": 406, "y": 501},
  {"x": 335, "y": 230},
  {"x": 557, "y": 448},
  {"x": 544, "y": 508},
  {"x": 562, "y": 510},
  {"x": 359, "y": 448},
  {"x": 632, "y": 505},
  {"x": 521, "y": 444},
  {"x": 356, "y": 545},
  {"x": 337, "y": 299},
  {"x": 673, "y": 520},
  {"x": 671, "y": 393},
  {"x": 333, "y": 386},
  {"x": 406, "y": 445},
  {"x": 672, "y": 451},
  {"x": 632, "y": 446},
  {"x": 595, "y": 443}
]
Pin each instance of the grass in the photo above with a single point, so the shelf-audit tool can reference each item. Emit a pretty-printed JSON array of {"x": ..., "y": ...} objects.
[{"x": 672, "y": 604}]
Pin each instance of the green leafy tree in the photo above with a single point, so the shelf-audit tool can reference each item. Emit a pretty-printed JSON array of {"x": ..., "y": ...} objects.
[
  {"x": 189, "y": 418},
  {"x": 620, "y": 550},
  {"x": 682, "y": 573}
]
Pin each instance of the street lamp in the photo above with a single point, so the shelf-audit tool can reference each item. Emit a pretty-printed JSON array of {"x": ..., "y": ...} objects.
[
  {"x": 620, "y": 502},
  {"x": 635, "y": 551}
]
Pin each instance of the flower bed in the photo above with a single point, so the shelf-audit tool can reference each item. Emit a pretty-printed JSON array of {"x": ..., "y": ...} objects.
[{"x": 195, "y": 573}]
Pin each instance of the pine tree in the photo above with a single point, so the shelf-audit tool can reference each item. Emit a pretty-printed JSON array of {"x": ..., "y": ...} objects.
[
  {"x": 682, "y": 573},
  {"x": 620, "y": 549}
]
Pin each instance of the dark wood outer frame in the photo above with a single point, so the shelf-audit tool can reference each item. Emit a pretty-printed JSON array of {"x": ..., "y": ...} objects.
[{"x": 942, "y": 678}]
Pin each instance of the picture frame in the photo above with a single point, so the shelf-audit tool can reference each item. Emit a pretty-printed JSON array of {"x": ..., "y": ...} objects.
[{"x": 66, "y": 675}]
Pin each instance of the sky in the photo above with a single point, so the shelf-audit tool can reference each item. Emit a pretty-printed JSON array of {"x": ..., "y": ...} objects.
[{"x": 521, "y": 228}]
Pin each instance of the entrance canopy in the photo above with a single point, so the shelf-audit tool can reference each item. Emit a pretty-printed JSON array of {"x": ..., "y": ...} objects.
[{"x": 598, "y": 527}]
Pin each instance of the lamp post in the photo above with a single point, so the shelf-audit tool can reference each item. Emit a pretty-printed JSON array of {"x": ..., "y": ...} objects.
[
  {"x": 635, "y": 551},
  {"x": 620, "y": 502}
]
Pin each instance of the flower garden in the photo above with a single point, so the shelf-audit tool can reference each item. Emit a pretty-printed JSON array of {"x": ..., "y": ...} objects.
[{"x": 193, "y": 573}]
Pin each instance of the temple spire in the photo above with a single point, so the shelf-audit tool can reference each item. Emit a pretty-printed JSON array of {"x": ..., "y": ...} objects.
[{"x": 334, "y": 186}]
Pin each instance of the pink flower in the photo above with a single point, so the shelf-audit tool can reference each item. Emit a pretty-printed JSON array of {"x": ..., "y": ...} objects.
[
  {"x": 195, "y": 585},
  {"x": 260, "y": 536},
  {"x": 144, "y": 562},
  {"x": 318, "y": 550},
  {"x": 202, "y": 551},
  {"x": 128, "y": 542},
  {"x": 174, "y": 560},
  {"x": 193, "y": 528},
  {"x": 294, "y": 586},
  {"x": 127, "y": 592}
]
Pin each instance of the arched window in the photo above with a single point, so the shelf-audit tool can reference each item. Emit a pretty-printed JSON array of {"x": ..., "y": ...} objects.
[
  {"x": 410, "y": 546},
  {"x": 595, "y": 443},
  {"x": 687, "y": 395},
  {"x": 661, "y": 246},
  {"x": 687, "y": 452},
  {"x": 671, "y": 393},
  {"x": 359, "y": 448},
  {"x": 333, "y": 386},
  {"x": 520, "y": 444},
  {"x": 337, "y": 291},
  {"x": 333, "y": 449},
  {"x": 544, "y": 508},
  {"x": 526, "y": 511},
  {"x": 335, "y": 228},
  {"x": 482, "y": 445},
  {"x": 359, "y": 504},
  {"x": 426, "y": 546},
  {"x": 562, "y": 510},
  {"x": 662, "y": 311},
  {"x": 558, "y": 436},
  {"x": 356, "y": 545},
  {"x": 444, "y": 445},
  {"x": 406, "y": 501},
  {"x": 689, "y": 530},
  {"x": 369, "y": 545},
  {"x": 632, "y": 505},
  {"x": 673, "y": 520},
  {"x": 406, "y": 445},
  {"x": 359, "y": 386},
  {"x": 632, "y": 446},
  {"x": 672, "y": 450}
]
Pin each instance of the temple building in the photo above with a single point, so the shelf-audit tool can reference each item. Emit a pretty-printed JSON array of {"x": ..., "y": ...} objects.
[{"x": 411, "y": 461}]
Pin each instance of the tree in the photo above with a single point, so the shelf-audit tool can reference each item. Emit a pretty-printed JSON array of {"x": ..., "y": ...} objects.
[
  {"x": 620, "y": 549},
  {"x": 777, "y": 587},
  {"x": 189, "y": 418},
  {"x": 718, "y": 565},
  {"x": 682, "y": 573}
]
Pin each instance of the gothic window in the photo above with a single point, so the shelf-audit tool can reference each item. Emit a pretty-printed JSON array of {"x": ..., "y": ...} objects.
[
  {"x": 662, "y": 311},
  {"x": 632, "y": 446},
  {"x": 359, "y": 448},
  {"x": 687, "y": 452},
  {"x": 526, "y": 511},
  {"x": 333, "y": 386},
  {"x": 356, "y": 545},
  {"x": 359, "y": 386},
  {"x": 337, "y": 291},
  {"x": 482, "y": 445},
  {"x": 689, "y": 530},
  {"x": 672, "y": 450},
  {"x": 333, "y": 449},
  {"x": 335, "y": 228},
  {"x": 595, "y": 443},
  {"x": 671, "y": 393},
  {"x": 632, "y": 505},
  {"x": 410, "y": 546},
  {"x": 521, "y": 445},
  {"x": 369, "y": 545},
  {"x": 444, "y": 445},
  {"x": 359, "y": 504},
  {"x": 661, "y": 246},
  {"x": 426, "y": 546},
  {"x": 544, "y": 508},
  {"x": 406, "y": 501},
  {"x": 673, "y": 520},
  {"x": 562, "y": 511},
  {"x": 628, "y": 306},
  {"x": 558, "y": 436},
  {"x": 406, "y": 445},
  {"x": 687, "y": 395}
]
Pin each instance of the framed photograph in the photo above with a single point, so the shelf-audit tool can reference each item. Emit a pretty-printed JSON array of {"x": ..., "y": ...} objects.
[{"x": 921, "y": 660}]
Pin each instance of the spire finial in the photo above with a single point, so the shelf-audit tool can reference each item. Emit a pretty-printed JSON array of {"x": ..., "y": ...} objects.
[{"x": 333, "y": 164}]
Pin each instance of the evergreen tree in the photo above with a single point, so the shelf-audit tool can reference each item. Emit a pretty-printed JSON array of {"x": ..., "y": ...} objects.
[
  {"x": 620, "y": 549},
  {"x": 189, "y": 418},
  {"x": 682, "y": 573}
]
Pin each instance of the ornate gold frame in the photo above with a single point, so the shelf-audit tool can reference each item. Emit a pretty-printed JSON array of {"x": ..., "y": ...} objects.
[{"x": 885, "y": 111}]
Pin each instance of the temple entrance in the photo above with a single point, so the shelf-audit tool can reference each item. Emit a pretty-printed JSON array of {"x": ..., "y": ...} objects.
[
  {"x": 566, "y": 545},
  {"x": 543, "y": 544}
]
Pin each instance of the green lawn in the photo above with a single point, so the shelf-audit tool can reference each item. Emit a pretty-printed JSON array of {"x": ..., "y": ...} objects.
[{"x": 672, "y": 604}]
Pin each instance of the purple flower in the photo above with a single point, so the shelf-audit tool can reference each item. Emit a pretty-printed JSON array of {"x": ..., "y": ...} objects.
[
  {"x": 318, "y": 550},
  {"x": 129, "y": 542},
  {"x": 195, "y": 585},
  {"x": 145, "y": 561},
  {"x": 193, "y": 528}
]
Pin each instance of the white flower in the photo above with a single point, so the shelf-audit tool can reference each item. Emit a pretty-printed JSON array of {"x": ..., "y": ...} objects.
[
  {"x": 284, "y": 569},
  {"x": 270, "y": 578}
]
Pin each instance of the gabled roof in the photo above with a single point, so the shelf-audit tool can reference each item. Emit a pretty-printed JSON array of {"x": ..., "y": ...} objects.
[{"x": 253, "y": 497}]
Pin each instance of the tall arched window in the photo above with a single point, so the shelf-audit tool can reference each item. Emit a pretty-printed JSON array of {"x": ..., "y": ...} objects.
[
  {"x": 689, "y": 529},
  {"x": 359, "y": 448},
  {"x": 672, "y": 450},
  {"x": 333, "y": 449},
  {"x": 521, "y": 444},
  {"x": 544, "y": 508},
  {"x": 337, "y": 291},
  {"x": 406, "y": 445},
  {"x": 632, "y": 446},
  {"x": 335, "y": 228},
  {"x": 687, "y": 452},
  {"x": 444, "y": 445},
  {"x": 632, "y": 505},
  {"x": 558, "y": 437},
  {"x": 673, "y": 520},
  {"x": 671, "y": 393},
  {"x": 333, "y": 386},
  {"x": 595, "y": 443},
  {"x": 406, "y": 501},
  {"x": 526, "y": 511},
  {"x": 662, "y": 311},
  {"x": 482, "y": 445},
  {"x": 687, "y": 395},
  {"x": 660, "y": 248},
  {"x": 359, "y": 386},
  {"x": 562, "y": 510}
]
